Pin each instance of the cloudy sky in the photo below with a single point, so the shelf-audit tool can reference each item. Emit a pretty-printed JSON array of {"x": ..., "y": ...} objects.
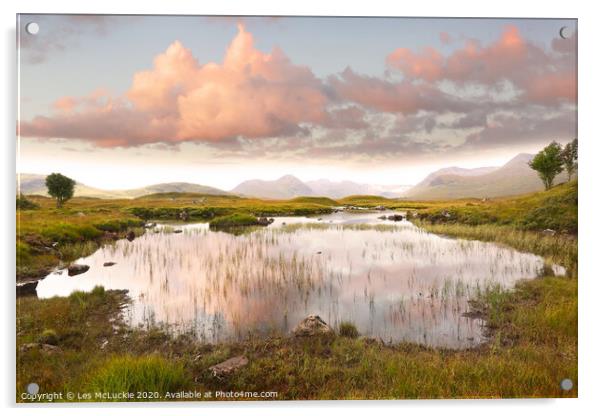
[{"x": 127, "y": 101}]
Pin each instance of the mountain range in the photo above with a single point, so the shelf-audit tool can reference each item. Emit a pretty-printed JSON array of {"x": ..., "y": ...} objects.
[{"x": 515, "y": 177}]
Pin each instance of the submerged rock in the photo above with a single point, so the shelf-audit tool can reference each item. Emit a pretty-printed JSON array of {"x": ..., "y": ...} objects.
[
  {"x": 264, "y": 221},
  {"x": 177, "y": 231},
  {"x": 311, "y": 326},
  {"x": 27, "y": 289},
  {"x": 396, "y": 217},
  {"x": 75, "y": 269},
  {"x": 229, "y": 366},
  {"x": 109, "y": 264},
  {"x": 130, "y": 236}
]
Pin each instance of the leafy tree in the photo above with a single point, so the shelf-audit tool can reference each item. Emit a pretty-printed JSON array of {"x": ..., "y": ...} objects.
[
  {"x": 548, "y": 163},
  {"x": 60, "y": 187},
  {"x": 569, "y": 158}
]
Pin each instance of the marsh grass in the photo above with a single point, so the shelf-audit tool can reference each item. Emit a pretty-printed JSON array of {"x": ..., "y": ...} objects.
[{"x": 561, "y": 248}]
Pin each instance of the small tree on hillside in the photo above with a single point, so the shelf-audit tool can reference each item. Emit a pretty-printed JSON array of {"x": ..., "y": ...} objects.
[
  {"x": 60, "y": 187},
  {"x": 569, "y": 158},
  {"x": 548, "y": 163}
]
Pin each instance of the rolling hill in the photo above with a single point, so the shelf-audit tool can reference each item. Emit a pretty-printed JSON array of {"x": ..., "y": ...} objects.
[{"x": 33, "y": 184}]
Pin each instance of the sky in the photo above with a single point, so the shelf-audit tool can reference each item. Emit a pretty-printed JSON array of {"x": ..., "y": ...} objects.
[{"x": 120, "y": 102}]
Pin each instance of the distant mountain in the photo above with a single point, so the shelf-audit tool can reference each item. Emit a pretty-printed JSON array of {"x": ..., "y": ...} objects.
[
  {"x": 513, "y": 178},
  {"x": 33, "y": 184},
  {"x": 285, "y": 187},
  {"x": 331, "y": 189}
]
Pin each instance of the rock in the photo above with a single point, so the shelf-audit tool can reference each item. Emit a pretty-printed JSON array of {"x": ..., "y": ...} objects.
[
  {"x": 55, "y": 244},
  {"x": 184, "y": 215},
  {"x": 104, "y": 344},
  {"x": 229, "y": 366},
  {"x": 80, "y": 214},
  {"x": 549, "y": 231},
  {"x": 177, "y": 231},
  {"x": 150, "y": 225},
  {"x": 28, "y": 346},
  {"x": 75, "y": 269},
  {"x": 396, "y": 217},
  {"x": 313, "y": 325},
  {"x": 382, "y": 217},
  {"x": 380, "y": 208},
  {"x": 27, "y": 289},
  {"x": 47, "y": 348},
  {"x": 130, "y": 236},
  {"x": 264, "y": 221},
  {"x": 109, "y": 264}
]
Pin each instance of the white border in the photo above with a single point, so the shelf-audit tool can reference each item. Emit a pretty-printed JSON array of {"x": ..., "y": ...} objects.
[{"x": 590, "y": 150}]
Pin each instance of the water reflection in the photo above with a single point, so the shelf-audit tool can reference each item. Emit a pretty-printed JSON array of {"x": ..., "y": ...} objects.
[{"x": 392, "y": 280}]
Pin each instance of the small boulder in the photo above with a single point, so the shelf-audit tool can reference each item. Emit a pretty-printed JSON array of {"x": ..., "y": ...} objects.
[
  {"x": 184, "y": 215},
  {"x": 150, "y": 225},
  {"x": 109, "y": 264},
  {"x": 178, "y": 231},
  {"x": 549, "y": 231},
  {"x": 395, "y": 217},
  {"x": 130, "y": 236},
  {"x": 313, "y": 325},
  {"x": 27, "y": 289},
  {"x": 75, "y": 269},
  {"x": 229, "y": 366}
]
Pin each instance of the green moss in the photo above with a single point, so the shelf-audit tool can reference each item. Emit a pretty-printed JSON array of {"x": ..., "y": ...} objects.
[
  {"x": 49, "y": 336},
  {"x": 234, "y": 220}
]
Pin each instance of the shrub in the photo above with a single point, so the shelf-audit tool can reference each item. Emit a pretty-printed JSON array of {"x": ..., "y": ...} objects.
[
  {"x": 348, "y": 329},
  {"x": 49, "y": 336},
  {"x": 150, "y": 373},
  {"x": 24, "y": 203}
]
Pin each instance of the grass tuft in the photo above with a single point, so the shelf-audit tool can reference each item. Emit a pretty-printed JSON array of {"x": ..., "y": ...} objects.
[{"x": 348, "y": 329}]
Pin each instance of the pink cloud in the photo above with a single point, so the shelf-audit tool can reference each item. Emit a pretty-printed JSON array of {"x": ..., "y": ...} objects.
[
  {"x": 509, "y": 58},
  {"x": 251, "y": 94},
  {"x": 404, "y": 97}
]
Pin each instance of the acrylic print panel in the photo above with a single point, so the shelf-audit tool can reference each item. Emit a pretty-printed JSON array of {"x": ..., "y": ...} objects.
[{"x": 278, "y": 208}]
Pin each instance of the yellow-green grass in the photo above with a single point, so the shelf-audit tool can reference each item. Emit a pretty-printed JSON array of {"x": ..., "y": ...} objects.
[{"x": 555, "y": 209}]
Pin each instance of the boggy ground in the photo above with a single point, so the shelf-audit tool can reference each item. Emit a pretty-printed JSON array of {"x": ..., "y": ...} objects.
[{"x": 532, "y": 347}]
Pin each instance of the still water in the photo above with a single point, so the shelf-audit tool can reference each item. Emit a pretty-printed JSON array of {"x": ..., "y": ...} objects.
[{"x": 391, "y": 279}]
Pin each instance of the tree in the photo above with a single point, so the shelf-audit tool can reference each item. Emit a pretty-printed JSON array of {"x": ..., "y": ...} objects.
[
  {"x": 569, "y": 158},
  {"x": 60, "y": 187},
  {"x": 548, "y": 163}
]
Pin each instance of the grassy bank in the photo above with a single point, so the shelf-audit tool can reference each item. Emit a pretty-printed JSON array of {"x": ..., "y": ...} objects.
[{"x": 555, "y": 209}]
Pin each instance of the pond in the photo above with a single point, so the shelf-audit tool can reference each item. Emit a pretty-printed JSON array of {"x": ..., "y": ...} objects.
[{"x": 393, "y": 280}]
